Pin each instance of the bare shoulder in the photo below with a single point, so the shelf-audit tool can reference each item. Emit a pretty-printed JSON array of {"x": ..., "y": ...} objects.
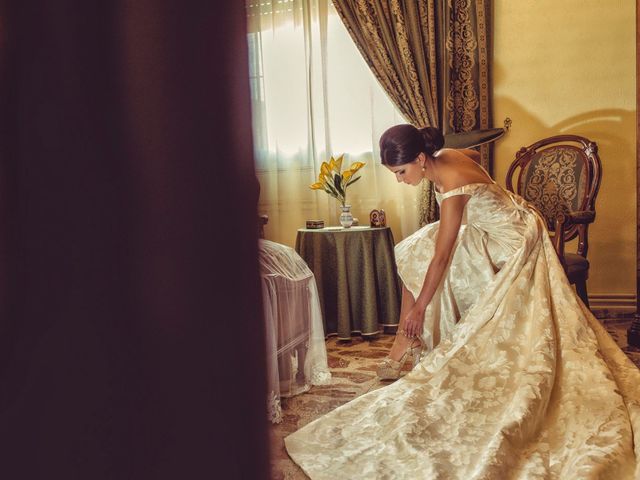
[
  {"x": 450, "y": 177},
  {"x": 472, "y": 154},
  {"x": 457, "y": 153},
  {"x": 446, "y": 152},
  {"x": 455, "y": 169}
]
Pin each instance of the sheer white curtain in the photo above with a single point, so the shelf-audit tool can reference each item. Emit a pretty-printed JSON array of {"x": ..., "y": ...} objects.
[{"x": 314, "y": 96}]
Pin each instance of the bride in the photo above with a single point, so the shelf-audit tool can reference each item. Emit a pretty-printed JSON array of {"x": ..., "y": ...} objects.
[{"x": 513, "y": 377}]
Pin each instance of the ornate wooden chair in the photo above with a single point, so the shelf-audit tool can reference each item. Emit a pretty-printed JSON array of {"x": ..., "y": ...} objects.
[{"x": 561, "y": 176}]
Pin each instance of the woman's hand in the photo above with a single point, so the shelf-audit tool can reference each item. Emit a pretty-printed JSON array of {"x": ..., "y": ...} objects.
[{"x": 413, "y": 322}]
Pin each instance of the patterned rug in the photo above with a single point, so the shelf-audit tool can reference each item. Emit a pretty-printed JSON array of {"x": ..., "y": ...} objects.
[{"x": 352, "y": 365}]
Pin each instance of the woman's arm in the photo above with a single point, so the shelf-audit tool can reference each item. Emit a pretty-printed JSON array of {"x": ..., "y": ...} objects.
[{"x": 450, "y": 219}]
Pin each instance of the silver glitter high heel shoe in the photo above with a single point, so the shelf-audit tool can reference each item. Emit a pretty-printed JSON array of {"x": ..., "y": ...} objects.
[{"x": 389, "y": 369}]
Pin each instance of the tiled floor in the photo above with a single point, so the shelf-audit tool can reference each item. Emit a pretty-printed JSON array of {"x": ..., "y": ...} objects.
[{"x": 352, "y": 365}]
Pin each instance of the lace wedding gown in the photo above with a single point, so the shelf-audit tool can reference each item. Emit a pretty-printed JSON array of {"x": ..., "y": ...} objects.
[{"x": 521, "y": 381}]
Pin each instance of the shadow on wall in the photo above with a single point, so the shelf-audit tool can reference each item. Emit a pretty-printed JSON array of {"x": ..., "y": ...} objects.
[
  {"x": 606, "y": 127},
  {"x": 613, "y": 129}
]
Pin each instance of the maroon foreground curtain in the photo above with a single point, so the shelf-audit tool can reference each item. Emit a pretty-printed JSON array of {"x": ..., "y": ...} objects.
[{"x": 130, "y": 321}]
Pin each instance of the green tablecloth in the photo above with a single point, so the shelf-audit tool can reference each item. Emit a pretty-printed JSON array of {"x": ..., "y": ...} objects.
[{"x": 355, "y": 271}]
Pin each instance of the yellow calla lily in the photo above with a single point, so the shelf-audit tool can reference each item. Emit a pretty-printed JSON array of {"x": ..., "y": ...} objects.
[
  {"x": 355, "y": 166},
  {"x": 332, "y": 181}
]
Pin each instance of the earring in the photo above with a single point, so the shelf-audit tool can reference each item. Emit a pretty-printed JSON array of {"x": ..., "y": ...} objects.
[{"x": 423, "y": 169}]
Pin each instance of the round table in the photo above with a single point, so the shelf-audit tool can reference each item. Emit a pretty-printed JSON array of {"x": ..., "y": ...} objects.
[{"x": 356, "y": 274}]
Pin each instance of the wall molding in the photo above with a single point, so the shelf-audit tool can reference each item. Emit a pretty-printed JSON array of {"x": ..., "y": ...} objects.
[{"x": 612, "y": 304}]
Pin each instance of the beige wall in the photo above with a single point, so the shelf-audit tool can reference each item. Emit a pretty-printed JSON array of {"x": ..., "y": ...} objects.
[{"x": 569, "y": 68}]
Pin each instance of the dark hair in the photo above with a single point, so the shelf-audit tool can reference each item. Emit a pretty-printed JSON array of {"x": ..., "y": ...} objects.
[{"x": 403, "y": 143}]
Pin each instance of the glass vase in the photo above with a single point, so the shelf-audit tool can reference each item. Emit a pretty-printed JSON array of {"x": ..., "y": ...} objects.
[{"x": 346, "y": 218}]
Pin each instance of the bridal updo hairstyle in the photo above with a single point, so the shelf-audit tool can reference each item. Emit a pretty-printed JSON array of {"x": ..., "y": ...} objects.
[{"x": 403, "y": 143}]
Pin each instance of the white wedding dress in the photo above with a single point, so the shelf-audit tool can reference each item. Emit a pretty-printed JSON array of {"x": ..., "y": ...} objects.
[{"x": 520, "y": 381}]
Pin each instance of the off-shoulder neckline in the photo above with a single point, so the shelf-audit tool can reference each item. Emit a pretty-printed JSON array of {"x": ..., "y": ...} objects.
[{"x": 462, "y": 186}]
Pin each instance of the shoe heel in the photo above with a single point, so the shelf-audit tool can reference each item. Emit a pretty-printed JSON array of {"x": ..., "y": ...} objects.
[
  {"x": 390, "y": 369},
  {"x": 416, "y": 353}
]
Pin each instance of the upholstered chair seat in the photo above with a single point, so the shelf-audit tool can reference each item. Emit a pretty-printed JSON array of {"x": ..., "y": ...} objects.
[{"x": 576, "y": 266}]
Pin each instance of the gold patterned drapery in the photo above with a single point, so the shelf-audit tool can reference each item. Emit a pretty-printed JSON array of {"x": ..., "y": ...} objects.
[
  {"x": 397, "y": 40},
  {"x": 432, "y": 57},
  {"x": 464, "y": 85}
]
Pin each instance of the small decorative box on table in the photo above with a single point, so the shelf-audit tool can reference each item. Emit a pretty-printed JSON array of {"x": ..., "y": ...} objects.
[
  {"x": 355, "y": 271},
  {"x": 315, "y": 224}
]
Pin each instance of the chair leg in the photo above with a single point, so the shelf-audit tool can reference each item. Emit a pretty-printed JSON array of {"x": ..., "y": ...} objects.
[{"x": 581, "y": 290}]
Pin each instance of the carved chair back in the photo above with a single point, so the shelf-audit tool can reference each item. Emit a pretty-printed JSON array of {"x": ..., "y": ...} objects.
[{"x": 558, "y": 175}]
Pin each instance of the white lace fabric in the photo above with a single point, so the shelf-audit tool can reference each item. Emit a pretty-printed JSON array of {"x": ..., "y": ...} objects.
[
  {"x": 296, "y": 352},
  {"x": 521, "y": 381}
]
